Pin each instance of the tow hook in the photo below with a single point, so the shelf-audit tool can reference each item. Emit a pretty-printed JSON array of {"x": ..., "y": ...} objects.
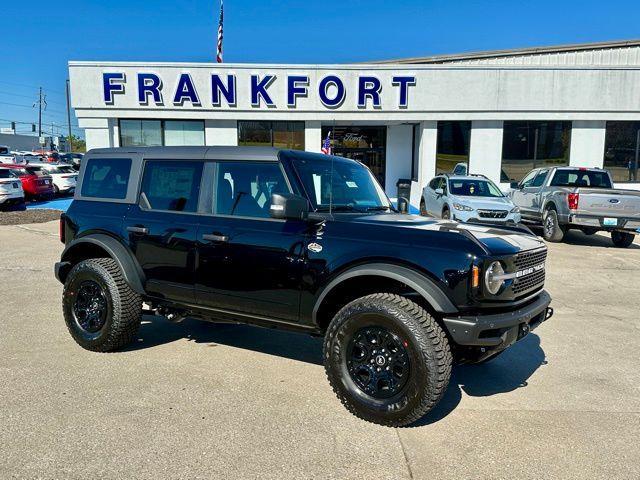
[{"x": 548, "y": 314}]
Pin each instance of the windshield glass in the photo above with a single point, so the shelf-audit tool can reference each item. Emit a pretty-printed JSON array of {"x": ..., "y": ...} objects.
[
  {"x": 36, "y": 171},
  {"x": 6, "y": 173},
  {"x": 581, "y": 178},
  {"x": 63, "y": 169},
  {"x": 4, "y": 151},
  {"x": 474, "y": 188},
  {"x": 349, "y": 186},
  {"x": 20, "y": 172}
]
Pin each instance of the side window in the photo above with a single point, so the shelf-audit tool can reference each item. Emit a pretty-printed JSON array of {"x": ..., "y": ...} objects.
[
  {"x": 528, "y": 180},
  {"x": 540, "y": 178},
  {"x": 433, "y": 183},
  {"x": 106, "y": 178},
  {"x": 444, "y": 186},
  {"x": 244, "y": 189},
  {"x": 171, "y": 185}
]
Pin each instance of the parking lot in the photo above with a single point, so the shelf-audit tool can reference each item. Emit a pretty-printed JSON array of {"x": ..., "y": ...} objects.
[{"x": 195, "y": 400}]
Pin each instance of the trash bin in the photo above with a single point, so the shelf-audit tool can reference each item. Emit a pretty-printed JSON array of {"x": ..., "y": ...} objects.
[{"x": 404, "y": 194}]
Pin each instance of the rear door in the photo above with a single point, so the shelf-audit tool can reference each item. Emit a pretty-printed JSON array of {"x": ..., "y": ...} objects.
[
  {"x": 161, "y": 227},
  {"x": 248, "y": 262}
]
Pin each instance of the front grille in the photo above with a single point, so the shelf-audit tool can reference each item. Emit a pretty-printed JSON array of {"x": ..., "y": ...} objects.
[
  {"x": 492, "y": 213},
  {"x": 534, "y": 279}
]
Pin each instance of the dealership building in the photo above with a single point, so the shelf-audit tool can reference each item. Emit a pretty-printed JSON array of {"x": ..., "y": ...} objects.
[{"x": 502, "y": 112}]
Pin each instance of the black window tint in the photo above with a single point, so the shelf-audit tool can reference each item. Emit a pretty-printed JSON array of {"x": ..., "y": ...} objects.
[
  {"x": 433, "y": 183},
  {"x": 581, "y": 178},
  {"x": 106, "y": 178},
  {"x": 171, "y": 185},
  {"x": 244, "y": 189}
]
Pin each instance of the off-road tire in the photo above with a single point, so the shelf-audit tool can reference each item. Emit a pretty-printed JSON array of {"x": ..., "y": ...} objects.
[
  {"x": 124, "y": 306},
  {"x": 622, "y": 239},
  {"x": 425, "y": 342},
  {"x": 552, "y": 231},
  {"x": 446, "y": 213}
]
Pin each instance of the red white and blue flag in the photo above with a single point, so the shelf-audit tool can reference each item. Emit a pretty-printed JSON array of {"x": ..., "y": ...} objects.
[
  {"x": 219, "y": 48},
  {"x": 326, "y": 144}
]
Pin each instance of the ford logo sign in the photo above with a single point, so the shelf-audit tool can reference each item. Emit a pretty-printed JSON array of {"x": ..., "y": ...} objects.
[{"x": 614, "y": 200}]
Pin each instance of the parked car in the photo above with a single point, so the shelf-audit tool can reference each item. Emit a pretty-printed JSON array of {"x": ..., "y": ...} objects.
[
  {"x": 64, "y": 177},
  {"x": 462, "y": 167},
  {"x": 300, "y": 241},
  {"x": 5, "y": 154},
  {"x": 36, "y": 183},
  {"x": 49, "y": 155},
  {"x": 11, "y": 193},
  {"x": 562, "y": 198},
  {"x": 467, "y": 198},
  {"x": 73, "y": 159}
]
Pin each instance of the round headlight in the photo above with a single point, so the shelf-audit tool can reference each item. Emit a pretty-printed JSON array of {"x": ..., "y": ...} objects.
[{"x": 492, "y": 279}]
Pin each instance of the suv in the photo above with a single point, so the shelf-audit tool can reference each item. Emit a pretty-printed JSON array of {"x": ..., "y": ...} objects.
[
  {"x": 300, "y": 241},
  {"x": 468, "y": 198}
]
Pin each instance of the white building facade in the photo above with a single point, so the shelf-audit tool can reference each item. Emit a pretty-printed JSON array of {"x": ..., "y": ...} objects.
[{"x": 501, "y": 113}]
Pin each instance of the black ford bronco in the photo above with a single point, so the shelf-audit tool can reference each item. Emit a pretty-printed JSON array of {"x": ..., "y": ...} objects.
[{"x": 301, "y": 241}]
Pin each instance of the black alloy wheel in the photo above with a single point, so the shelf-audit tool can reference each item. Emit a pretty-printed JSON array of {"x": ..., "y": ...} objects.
[
  {"x": 90, "y": 307},
  {"x": 378, "y": 362},
  {"x": 552, "y": 231}
]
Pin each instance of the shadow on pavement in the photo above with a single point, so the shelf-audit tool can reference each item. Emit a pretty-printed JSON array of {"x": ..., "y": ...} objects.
[
  {"x": 158, "y": 331},
  {"x": 509, "y": 371}
]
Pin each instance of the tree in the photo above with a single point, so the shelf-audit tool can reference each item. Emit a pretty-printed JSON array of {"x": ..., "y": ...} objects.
[{"x": 77, "y": 144}]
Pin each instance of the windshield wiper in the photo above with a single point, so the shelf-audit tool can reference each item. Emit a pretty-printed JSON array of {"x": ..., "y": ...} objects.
[
  {"x": 379, "y": 208},
  {"x": 339, "y": 208}
]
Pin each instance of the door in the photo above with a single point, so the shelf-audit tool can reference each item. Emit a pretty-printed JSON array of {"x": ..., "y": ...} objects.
[
  {"x": 248, "y": 262},
  {"x": 522, "y": 196},
  {"x": 432, "y": 199},
  {"x": 162, "y": 227}
]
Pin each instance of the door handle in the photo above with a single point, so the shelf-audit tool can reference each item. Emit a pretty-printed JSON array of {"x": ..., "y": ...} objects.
[
  {"x": 214, "y": 237},
  {"x": 141, "y": 230}
]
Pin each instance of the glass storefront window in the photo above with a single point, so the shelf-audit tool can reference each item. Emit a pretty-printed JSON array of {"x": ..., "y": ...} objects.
[
  {"x": 453, "y": 146},
  {"x": 140, "y": 133},
  {"x": 365, "y": 144},
  {"x": 527, "y": 145},
  {"x": 271, "y": 134},
  {"x": 155, "y": 133},
  {"x": 621, "y": 150}
]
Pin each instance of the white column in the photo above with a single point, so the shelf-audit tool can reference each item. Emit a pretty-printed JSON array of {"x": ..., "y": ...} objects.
[
  {"x": 587, "y": 143},
  {"x": 114, "y": 128},
  {"x": 221, "y": 132},
  {"x": 485, "y": 149},
  {"x": 312, "y": 136},
  {"x": 97, "y": 138},
  {"x": 398, "y": 156},
  {"x": 427, "y": 144}
]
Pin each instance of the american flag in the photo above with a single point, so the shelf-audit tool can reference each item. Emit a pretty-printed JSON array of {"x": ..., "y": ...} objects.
[
  {"x": 326, "y": 144},
  {"x": 219, "y": 52}
]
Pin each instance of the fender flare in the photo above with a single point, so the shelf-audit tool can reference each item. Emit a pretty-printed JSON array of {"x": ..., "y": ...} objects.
[
  {"x": 131, "y": 270},
  {"x": 425, "y": 287}
]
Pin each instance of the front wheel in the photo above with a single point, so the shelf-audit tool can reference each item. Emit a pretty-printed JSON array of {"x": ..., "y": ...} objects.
[
  {"x": 446, "y": 214},
  {"x": 387, "y": 359},
  {"x": 622, "y": 239},
  {"x": 101, "y": 311},
  {"x": 551, "y": 228}
]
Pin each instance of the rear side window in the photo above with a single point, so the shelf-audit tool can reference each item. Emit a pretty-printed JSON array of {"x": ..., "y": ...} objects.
[
  {"x": 106, "y": 178},
  {"x": 581, "y": 178},
  {"x": 171, "y": 185},
  {"x": 244, "y": 189}
]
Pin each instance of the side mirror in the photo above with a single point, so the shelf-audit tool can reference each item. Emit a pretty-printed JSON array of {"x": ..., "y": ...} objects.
[
  {"x": 286, "y": 206},
  {"x": 514, "y": 185},
  {"x": 403, "y": 205},
  {"x": 439, "y": 191}
]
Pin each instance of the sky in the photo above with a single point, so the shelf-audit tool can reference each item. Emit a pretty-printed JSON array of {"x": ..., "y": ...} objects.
[{"x": 38, "y": 40}]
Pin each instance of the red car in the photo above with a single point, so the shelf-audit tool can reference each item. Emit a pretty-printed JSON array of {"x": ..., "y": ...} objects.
[
  {"x": 48, "y": 155},
  {"x": 36, "y": 183}
]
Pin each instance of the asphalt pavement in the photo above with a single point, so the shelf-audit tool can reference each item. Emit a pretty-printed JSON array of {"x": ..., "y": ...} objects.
[{"x": 196, "y": 400}]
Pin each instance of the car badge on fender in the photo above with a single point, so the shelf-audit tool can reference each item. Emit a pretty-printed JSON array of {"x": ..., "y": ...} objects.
[{"x": 315, "y": 247}]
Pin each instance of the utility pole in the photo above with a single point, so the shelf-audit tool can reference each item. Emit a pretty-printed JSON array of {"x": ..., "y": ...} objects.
[
  {"x": 69, "y": 149},
  {"x": 40, "y": 113}
]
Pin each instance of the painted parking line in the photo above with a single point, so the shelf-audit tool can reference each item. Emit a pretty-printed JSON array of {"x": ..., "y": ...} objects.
[{"x": 56, "y": 204}]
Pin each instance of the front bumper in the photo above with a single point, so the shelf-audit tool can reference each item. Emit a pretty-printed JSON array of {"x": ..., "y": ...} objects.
[
  {"x": 473, "y": 217},
  {"x": 502, "y": 329}
]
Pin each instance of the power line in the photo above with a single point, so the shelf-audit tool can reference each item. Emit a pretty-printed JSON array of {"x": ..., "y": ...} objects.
[
  {"x": 55, "y": 92},
  {"x": 28, "y": 96},
  {"x": 31, "y": 106}
]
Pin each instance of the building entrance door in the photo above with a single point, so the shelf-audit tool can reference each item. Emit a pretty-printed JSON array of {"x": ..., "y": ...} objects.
[{"x": 365, "y": 144}]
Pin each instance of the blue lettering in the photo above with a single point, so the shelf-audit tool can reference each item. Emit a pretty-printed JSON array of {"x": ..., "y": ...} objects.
[
  {"x": 228, "y": 91},
  {"x": 296, "y": 87},
  {"x": 369, "y": 87},
  {"x": 186, "y": 91},
  {"x": 336, "y": 101},
  {"x": 149, "y": 83},
  {"x": 112, "y": 83},
  {"x": 404, "y": 83},
  {"x": 259, "y": 89}
]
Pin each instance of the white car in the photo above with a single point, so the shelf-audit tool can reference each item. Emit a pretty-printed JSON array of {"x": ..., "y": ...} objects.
[
  {"x": 11, "y": 192},
  {"x": 64, "y": 176},
  {"x": 468, "y": 198}
]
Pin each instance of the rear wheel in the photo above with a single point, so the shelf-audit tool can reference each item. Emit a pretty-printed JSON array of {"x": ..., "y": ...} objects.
[
  {"x": 387, "y": 359},
  {"x": 551, "y": 228},
  {"x": 101, "y": 311},
  {"x": 622, "y": 239}
]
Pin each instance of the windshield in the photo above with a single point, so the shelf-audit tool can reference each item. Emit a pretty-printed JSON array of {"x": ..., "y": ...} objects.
[
  {"x": 581, "y": 178},
  {"x": 6, "y": 173},
  {"x": 349, "y": 186},
  {"x": 63, "y": 169},
  {"x": 36, "y": 171},
  {"x": 474, "y": 188},
  {"x": 20, "y": 172},
  {"x": 4, "y": 151}
]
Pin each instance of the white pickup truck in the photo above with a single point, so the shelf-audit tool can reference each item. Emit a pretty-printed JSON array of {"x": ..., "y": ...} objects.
[
  {"x": 562, "y": 198},
  {"x": 5, "y": 154}
]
